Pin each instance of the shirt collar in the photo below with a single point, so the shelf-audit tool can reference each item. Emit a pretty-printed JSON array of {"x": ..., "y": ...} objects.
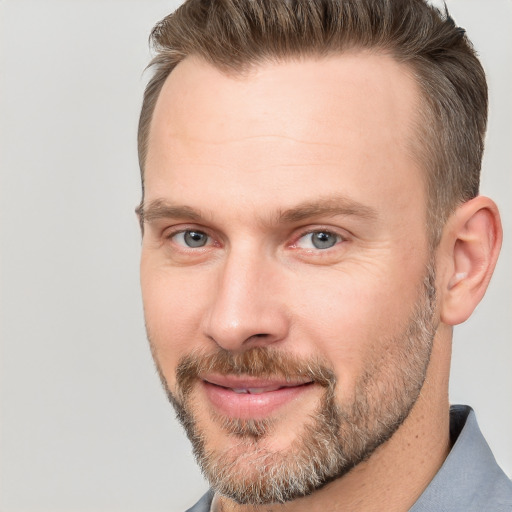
[{"x": 469, "y": 476}]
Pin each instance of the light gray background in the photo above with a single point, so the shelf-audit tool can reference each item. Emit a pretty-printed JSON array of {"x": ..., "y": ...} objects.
[{"x": 84, "y": 423}]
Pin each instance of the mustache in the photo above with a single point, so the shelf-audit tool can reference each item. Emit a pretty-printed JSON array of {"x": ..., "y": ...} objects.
[{"x": 254, "y": 362}]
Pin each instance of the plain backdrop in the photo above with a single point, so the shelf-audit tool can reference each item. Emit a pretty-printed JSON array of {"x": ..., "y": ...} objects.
[{"x": 85, "y": 425}]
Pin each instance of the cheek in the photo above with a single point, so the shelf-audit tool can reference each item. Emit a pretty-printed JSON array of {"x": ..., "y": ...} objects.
[
  {"x": 173, "y": 308},
  {"x": 349, "y": 321}
]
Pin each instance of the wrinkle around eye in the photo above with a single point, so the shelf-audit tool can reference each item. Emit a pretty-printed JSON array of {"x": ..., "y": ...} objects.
[{"x": 174, "y": 250}]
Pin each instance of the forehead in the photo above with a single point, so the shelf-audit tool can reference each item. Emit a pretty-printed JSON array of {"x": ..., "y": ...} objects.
[{"x": 301, "y": 126}]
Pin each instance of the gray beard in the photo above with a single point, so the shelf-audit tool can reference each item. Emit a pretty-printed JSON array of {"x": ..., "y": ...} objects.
[{"x": 332, "y": 440}]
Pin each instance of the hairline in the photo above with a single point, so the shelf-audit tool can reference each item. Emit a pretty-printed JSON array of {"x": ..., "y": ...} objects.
[{"x": 421, "y": 125}]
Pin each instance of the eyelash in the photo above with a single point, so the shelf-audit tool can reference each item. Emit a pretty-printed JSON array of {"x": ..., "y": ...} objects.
[
  {"x": 172, "y": 234},
  {"x": 339, "y": 238}
]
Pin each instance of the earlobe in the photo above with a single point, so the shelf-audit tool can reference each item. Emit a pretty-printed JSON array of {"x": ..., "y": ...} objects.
[{"x": 470, "y": 245}]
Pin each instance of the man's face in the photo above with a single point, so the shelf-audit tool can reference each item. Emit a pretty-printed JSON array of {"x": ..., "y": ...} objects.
[{"x": 284, "y": 266}]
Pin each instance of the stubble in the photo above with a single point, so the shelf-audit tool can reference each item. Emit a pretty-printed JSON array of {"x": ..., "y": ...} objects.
[{"x": 333, "y": 439}]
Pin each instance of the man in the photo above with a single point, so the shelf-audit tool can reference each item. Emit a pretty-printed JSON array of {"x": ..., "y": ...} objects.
[{"x": 312, "y": 231}]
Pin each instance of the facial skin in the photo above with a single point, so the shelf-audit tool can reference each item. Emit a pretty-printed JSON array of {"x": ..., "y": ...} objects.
[{"x": 284, "y": 214}]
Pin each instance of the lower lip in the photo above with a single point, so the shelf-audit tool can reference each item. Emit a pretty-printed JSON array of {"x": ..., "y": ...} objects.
[{"x": 248, "y": 406}]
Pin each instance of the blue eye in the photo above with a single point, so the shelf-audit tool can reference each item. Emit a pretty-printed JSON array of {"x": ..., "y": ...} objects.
[
  {"x": 191, "y": 238},
  {"x": 318, "y": 240}
]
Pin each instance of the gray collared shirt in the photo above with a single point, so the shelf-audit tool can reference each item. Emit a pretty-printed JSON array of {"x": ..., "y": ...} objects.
[{"x": 470, "y": 480}]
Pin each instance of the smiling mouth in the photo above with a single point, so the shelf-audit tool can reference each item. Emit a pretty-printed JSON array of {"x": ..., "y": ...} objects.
[
  {"x": 254, "y": 391},
  {"x": 251, "y": 385},
  {"x": 247, "y": 397},
  {"x": 260, "y": 390}
]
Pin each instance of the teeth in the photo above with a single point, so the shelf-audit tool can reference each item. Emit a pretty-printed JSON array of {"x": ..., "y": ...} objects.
[
  {"x": 240, "y": 390},
  {"x": 257, "y": 391},
  {"x": 254, "y": 391}
]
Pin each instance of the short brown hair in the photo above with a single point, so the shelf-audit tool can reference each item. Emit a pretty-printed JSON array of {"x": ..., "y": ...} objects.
[{"x": 236, "y": 34}]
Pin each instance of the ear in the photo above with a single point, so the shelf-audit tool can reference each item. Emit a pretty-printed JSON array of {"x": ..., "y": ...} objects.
[{"x": 468, "y": 253}]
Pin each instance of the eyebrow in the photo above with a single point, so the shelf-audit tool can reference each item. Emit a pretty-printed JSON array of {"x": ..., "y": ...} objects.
[
  {"x": 328, "y": 206},
  {"x": 161, "y": 209},
  {"x": 325, "y": 206}
]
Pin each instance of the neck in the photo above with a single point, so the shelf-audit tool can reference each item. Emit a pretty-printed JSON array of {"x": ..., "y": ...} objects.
[{"x": 397, "y": 473}]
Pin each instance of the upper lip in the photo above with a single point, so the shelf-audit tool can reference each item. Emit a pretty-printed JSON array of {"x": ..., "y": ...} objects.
[{"x": 248, "y": 382}]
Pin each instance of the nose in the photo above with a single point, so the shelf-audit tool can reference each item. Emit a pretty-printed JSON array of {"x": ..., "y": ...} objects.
[{"x": 247, "y": 307}]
